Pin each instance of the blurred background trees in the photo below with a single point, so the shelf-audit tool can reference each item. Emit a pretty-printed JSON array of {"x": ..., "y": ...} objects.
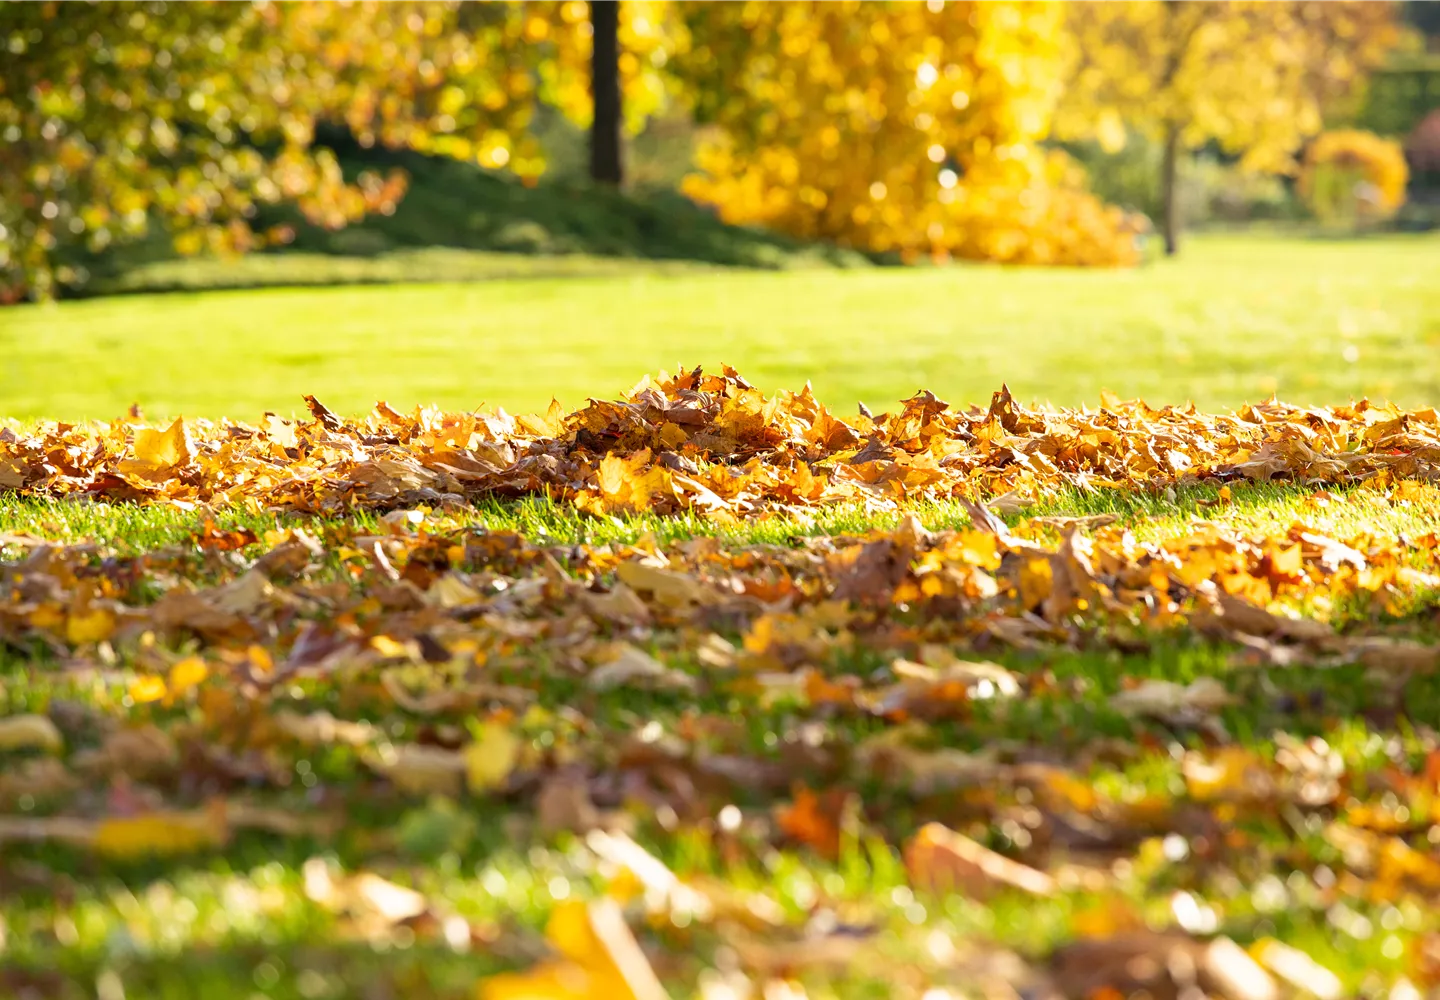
[
  {"x": 913, "y": 130},
  {"x": 1255, "y": 78}
]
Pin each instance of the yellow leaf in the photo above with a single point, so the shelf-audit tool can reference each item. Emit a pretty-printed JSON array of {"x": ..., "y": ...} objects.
[
  {"x": 570, "y": 932},
  {"x": 601, "y": 960},
  {"x": 386, "y": 646},
  {"x": 491, "y": 758},
  {"x": 667, "y": 587},
  {"x": 89, "y": 624},
  {"x": 547, "y": 981},
  {"x": 160, "y": 833},
  {"x": 163, "y": 449},
  {"x": 30, "y": 732},
  {"x": 1037, "y": 578},
  {"x": 186, "y": 674},
  {"x": 147, "y": 688}
]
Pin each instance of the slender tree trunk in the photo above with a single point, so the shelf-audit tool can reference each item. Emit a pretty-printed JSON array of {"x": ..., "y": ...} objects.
[
  {"x": 605, "y": 165},
  {"x": 1169, "y": 193}
]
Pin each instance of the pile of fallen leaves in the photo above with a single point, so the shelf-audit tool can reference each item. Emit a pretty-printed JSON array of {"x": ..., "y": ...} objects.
[
  {"x": 442, "y": 663},
  {"x": 715, "y": 445}
]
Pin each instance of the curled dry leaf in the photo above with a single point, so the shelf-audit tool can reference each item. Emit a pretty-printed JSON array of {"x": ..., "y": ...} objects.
[
  {"x": 889, "y": 756},
  {"x": 630, "y": 666},
  {"x": 40, "y": 779},
  {"x": 143, "y": 752},
  {"x": 937, "y": 859},
  {"x": 1163, "y": 965},
  {"x": 563, "y": 804},
  {"x": 364, "y": 896},
  {"x": 663, "y": 890},
  {"x": 1298, "y": 969},
  {"x": 418, "y": 769},
  {"x": 601, "y": 960},
  {"x": 674, "y": 590},
  {"x": 1168, "y": 701},
  {"x": 322, "y": 729},
  {"x": 30, "y": 732}
]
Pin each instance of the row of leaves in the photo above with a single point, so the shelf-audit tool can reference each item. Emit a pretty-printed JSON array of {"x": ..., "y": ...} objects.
[{"x": 717, "y": 446}]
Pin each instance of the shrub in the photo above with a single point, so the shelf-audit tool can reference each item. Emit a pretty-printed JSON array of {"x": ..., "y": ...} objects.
[{"x": 1353, "y": 176}]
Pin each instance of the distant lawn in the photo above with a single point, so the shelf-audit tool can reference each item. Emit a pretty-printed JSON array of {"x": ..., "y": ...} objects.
[{"x": 1232, "y": 319}]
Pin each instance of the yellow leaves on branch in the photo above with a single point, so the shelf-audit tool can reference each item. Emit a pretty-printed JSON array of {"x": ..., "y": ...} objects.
[
  {"x": 894, "y": 127},
  {"x": 1256, "y": 77},
  {"x": 443, "y": 78}
]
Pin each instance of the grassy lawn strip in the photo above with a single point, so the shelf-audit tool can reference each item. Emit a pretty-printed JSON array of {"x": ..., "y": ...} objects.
[{"x": 1232, "y": 319}]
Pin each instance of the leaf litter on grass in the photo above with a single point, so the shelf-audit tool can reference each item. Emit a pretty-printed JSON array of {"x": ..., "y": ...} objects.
[{"x": 969, "y": 700}]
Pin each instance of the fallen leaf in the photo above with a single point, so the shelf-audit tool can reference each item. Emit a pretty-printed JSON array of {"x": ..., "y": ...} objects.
[
  {"x": 1168, "y": 700},
  {"x": 1298, "y": 969},
  {"x": 490, "y": 759},
  {"x": 602, "y": 961},
  {"x": 632, "y": 666},
  {"x": 1164, "y": 965},
  {"x": 563, "y": 804},
  {"x": 674, "y": 590},
  {"x": 420, "y": 770},
  {"x": 813, "y": 821},
  {"x": 938, "y": 859},
  {"x": 30, "y": 732},
  {"x": 161, "y": 834}
]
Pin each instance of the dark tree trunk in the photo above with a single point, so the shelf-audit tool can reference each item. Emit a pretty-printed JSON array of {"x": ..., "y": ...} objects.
[
  {"x": 1169, "y": 194},
  {"x": 605, "y": 165}
]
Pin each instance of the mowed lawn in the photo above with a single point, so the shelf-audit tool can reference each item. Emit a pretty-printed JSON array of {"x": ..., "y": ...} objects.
[
  {"x": 1234, "y": 318},
  {"x": 247, "y": 751}
]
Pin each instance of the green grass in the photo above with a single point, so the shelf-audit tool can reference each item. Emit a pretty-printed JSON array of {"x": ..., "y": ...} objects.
[
  {"x": 1232, "y": 319},
  {"x": 1219, "y": 324},
  {"x": 236, "y": 922}
]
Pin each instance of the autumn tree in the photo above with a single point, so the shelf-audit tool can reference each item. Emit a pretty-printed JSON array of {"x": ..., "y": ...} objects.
[
  {"x": 905, "y": 127},
  {"x": 115, "y": 115},
  {"x": 1254, "y": 77}
]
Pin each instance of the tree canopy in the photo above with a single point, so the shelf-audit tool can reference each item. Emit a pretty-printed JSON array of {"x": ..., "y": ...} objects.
[
  {"x": 1253, "y": 77},
  {"x": 907, "y": 127}
]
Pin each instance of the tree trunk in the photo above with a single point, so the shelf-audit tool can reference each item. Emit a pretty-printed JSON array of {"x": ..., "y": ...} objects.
[
  {"x": 605, "y": 165},
  {"x": 1169, "y": 193}
]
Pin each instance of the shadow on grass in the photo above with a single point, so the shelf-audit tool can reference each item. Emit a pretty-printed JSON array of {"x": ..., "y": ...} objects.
[{"x": 458, "y": 222}]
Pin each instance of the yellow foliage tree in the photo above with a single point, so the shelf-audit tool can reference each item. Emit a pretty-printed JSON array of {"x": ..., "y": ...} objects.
[
  {"x": 1253, "y": 76},
  {"x": 115, "y": 115},
  {"x": 908, "y": 127}
]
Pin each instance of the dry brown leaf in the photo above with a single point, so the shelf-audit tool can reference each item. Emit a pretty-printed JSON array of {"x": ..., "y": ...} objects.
[
  {"x": 669, "y": 588},
  {"x": 323, "y": 729},
  {"x": 419, "y": 770},
  {"x": 630, "y": 666},
  {"x": 563, "y": 804},
  {"x": 1170, "y": 701},
  {"x": 363, "y": 896},
  {"x": 1164, "y": 965},
  {"x": 940, "y": 860}
]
